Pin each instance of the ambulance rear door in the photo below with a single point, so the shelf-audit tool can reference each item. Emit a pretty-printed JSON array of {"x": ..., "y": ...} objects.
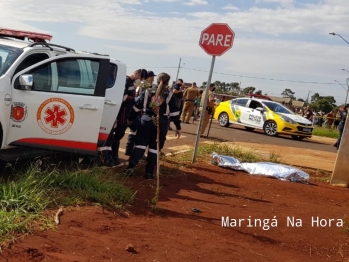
[
  {"x": 113, "y": 98},
  {"x": 58, "y": 104}
]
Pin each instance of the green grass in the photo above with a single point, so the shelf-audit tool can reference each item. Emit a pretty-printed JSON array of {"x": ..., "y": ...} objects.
[
  {"x": 227, "y": 150},
  {"x": 325, "y": 132},
  {"x": 25, "y": 196}
]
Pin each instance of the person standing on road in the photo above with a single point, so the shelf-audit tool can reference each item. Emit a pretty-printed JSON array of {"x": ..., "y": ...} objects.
[
  {"x": 189, "y": 95},
  {"x": 209, "y": 107},
  {"x": 343, "y": 117},
  {"x": 178, "y": 90},
  {"x": 110, "y": 149},
  {"x": 147, "y": 130}
]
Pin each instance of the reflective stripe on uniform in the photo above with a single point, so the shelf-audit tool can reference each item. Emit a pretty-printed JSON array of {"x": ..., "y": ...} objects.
[
  {"x": 141, "y": 147},
  {"x": 153, "y": 151},
  {"x": 175, "y": 113},
  {"x": 104, "y": 148}
]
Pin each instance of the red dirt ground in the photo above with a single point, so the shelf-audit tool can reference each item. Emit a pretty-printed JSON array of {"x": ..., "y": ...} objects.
[{"x": 175, "y": 233}]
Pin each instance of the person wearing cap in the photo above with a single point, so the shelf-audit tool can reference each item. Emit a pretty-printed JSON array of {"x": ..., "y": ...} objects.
[{"x": 144, "y": 84}]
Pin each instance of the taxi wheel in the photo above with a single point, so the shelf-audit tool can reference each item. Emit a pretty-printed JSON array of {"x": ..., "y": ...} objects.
[
  {"x": 270, "y": 128},
  {"x": 298, "y": 137},
  {"x": 223, "y": 119}
]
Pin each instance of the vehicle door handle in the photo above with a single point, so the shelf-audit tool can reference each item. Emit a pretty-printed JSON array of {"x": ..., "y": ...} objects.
[
  {"x": 88, "y": 106},
  {"x": 109, "y": 102}
]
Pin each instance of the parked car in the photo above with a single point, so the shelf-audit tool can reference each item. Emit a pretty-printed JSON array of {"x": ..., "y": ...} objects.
[
  {"x": 272, "y": 117},
  {"x": 53, "y": 97}
]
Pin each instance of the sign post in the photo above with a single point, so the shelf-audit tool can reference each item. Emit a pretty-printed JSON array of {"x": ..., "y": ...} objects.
[
  {"x": 215, "y": 40},
  {"x": 340, "y": 175}
]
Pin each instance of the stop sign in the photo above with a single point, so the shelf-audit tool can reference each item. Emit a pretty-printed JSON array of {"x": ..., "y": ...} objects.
[{"x": 216, "y": 39}]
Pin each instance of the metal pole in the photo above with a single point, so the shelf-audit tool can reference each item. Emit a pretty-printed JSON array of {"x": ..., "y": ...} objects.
[
  {"x": 179, "y": 66},
  {"x": 346, "y": 98},
  {"x": 203, "y": 109}
]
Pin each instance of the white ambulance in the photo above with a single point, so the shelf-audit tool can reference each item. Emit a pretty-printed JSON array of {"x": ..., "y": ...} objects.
[{"x": 53, "y": 98}]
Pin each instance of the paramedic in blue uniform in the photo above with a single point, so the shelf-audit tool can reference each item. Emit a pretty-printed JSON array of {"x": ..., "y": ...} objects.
[
  {"x": 147, "y": 130},
  {"x": 110, "y": 149},
  {"x": 343, "y": 117},
  {"x": 147, "y": 78}
]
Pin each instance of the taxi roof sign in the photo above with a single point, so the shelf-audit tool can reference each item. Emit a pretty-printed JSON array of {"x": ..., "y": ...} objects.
[{"x": 19, "y": 34}]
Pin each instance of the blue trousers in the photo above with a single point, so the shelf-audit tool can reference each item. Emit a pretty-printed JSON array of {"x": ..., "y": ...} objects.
[
  {"x": 146, "y": 136},
  {"x": 340, "y": 129}
]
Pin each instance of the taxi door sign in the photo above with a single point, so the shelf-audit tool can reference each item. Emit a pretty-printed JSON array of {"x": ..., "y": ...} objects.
[{"x": 18, "y": 112}]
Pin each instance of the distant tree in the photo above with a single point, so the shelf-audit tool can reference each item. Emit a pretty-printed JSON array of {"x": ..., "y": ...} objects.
[
  {"x": 203, "y": 85},
  {"x": 259, "y": 92},
  {"x": 300, "y": 99},
  {"x": 314, "y": 97},
  {"x": 288, "y": 93},
  {"x": 248, "y": 90},
  {"x": 322, "y": 104}
]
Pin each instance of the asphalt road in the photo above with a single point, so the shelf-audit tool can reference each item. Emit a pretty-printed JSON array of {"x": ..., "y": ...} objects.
[{"x": 236, "y": 133}]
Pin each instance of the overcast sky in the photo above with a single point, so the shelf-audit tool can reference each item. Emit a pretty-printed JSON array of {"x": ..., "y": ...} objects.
[{"x": 278, "y": 43}]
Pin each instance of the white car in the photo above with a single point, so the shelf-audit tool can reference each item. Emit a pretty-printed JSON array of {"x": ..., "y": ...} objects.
[{"x": 55, "y": 98}]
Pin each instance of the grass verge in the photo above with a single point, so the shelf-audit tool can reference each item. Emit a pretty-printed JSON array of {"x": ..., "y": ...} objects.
[
  {"x": 325, "y": 132},
  {"x": 26, "y": 195}
]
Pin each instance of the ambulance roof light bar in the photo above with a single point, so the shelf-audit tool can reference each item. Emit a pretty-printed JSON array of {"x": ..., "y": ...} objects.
[{"x": 19, "y": 34}]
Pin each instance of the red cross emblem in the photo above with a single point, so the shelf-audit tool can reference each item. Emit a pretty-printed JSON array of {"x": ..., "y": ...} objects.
[{"x": 55, "y": 116}]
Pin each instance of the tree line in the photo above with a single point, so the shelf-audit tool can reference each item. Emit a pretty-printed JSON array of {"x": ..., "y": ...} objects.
[{"x": 316, "y": 102}]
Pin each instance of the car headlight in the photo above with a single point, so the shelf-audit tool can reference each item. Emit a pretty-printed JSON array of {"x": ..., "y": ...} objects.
[{"x": 288, "y": 120}]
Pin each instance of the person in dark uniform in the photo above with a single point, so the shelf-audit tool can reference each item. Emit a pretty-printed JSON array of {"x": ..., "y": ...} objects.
[
  {"x": 147, "y": 130},
  {"x": 110, "y": 149},
  {"x": 343, "y": 115},
  {"x": 146, "y": 83},
  {"x": 133, "y": 127},
  {"x": 178, "y": 91}
]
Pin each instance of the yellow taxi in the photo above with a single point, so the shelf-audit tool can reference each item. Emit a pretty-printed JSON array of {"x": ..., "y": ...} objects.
[{"x": 272, "y": 117}]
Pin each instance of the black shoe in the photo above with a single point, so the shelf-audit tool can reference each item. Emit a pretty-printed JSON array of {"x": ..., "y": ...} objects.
[
  {"x": 170, "y": 128},
  {"x": 116, "y": 161},
  {"x": 108, "y": 162},
  {"x": 149, "y": 176},
  {"x": 128, "y": 172}
]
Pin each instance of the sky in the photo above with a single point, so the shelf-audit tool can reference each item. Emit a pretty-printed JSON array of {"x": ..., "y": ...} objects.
[{"x": 278, "y": 44}]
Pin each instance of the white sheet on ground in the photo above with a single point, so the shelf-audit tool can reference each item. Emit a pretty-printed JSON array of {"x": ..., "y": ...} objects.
[{"x": 282, "y": 172}]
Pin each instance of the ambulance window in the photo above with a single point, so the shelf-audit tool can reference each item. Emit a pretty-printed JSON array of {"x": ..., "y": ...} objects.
[
  {"x": 77, "y": 76},
  {"x": 31, "y": 60},
  {"x": 113, "y": 70}
]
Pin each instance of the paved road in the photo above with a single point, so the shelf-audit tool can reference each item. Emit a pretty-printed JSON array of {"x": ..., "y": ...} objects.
[{"x": 235, "y": 134}]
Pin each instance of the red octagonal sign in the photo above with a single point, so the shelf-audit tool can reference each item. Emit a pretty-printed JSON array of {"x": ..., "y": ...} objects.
[{"x": 217, "y": 39}]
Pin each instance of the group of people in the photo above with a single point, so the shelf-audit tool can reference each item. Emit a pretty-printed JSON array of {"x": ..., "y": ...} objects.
[
  {"x": 192, "y": 98},
  {"x": 139, "y": 110}
]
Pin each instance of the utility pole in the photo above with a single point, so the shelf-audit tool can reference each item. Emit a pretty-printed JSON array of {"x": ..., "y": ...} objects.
[
  {"x": 308, "y": 97},
  {"x": 179, "y": 66}
]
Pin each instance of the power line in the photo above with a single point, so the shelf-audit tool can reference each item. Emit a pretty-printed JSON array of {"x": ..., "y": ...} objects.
[
  {"x": 263, "y": 78},
  {"x": 243, "y": 76}
]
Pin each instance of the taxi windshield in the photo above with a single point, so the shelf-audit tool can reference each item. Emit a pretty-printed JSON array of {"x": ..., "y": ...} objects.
[
  {"x": 8, "y": 55},
  {"x": 278, "y": 108}
]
